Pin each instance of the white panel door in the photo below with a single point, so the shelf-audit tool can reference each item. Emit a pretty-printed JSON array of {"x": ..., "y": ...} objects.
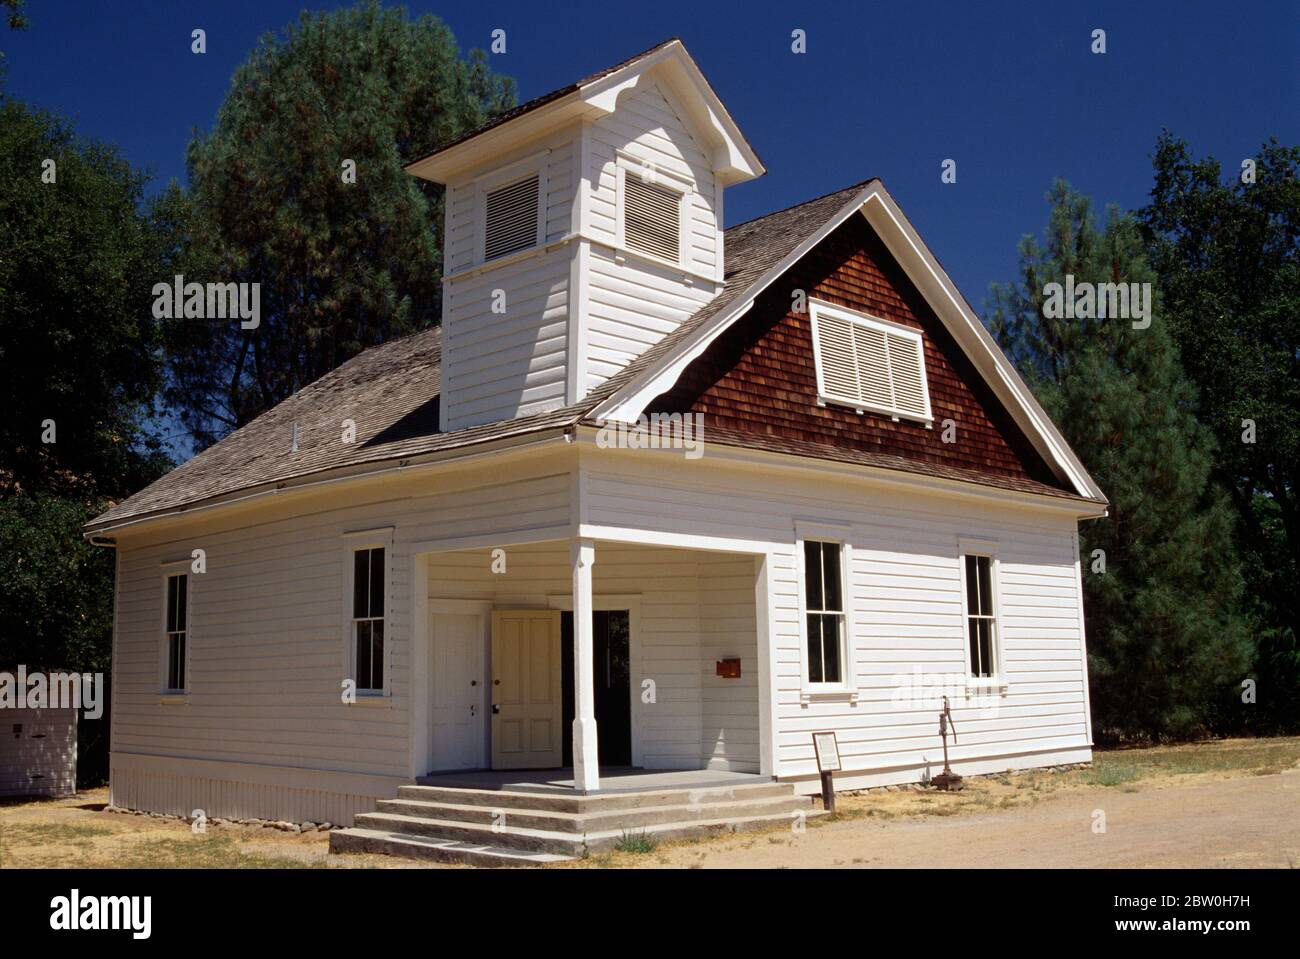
[
  {"x": 458, "y": 682},
  {"x": 526, "y": 689}
]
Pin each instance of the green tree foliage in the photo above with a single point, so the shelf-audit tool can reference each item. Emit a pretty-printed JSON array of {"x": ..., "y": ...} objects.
[
  {"x": 56, "y": 591},
  {"x": 1167, "y": 647},
  {"x": 342, "y": 266},
  {"x": 78, "y": 345},
  {"x": 1227, "y": 252},
  {"x": 78, "y": 357}
]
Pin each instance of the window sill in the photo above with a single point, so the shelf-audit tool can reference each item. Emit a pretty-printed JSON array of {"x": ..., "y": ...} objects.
[
  {"x": 173, "y": 699},
  {"x": 621, "y": 254},
  {"x": 827, "y": 694},
  {"x": 372, "y": 701},
  {"x": 485, "y": 266},
  {"x": 983, "y": 687},
  {"x": 864, "y": 408}
]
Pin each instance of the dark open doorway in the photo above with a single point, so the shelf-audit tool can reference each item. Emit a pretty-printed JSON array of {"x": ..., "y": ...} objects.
[{"x": 613, "y": 680}]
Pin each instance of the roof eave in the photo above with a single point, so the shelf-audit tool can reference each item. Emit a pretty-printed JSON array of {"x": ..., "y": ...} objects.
[
  {"x": 733, "y": 159},
  {"x": 444, "y": 165},
  {"x": 515, "y": 443}
]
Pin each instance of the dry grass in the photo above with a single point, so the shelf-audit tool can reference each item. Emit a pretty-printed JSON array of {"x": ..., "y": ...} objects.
[{"x": 78, "y": 833}]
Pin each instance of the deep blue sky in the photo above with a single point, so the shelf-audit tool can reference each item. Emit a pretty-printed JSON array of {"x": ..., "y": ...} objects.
[{"x": 1010, "y": 91}]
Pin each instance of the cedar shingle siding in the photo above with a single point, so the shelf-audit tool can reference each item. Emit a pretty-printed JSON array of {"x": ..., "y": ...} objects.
[{"x": 759, "y": 377}]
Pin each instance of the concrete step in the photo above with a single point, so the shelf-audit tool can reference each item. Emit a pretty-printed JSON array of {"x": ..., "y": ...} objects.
[
  {"x": 568, "y": 802},
  {"x": 357, "y": 839},
  {"x": 564, "y": 843},
  {"x": 596, "y": 820},
  {"x": 607, "y": 840}
]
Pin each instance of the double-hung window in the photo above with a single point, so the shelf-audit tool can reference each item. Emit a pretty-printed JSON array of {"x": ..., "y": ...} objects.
[
  {"x": 824, "y": 611},
  {"x": 176, "y": 628},
  {"x": 368, "y": 589},
  {"x": 981, "y": 615}
]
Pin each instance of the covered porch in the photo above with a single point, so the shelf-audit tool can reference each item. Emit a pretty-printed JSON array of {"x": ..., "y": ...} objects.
[{"x": 591, "y": 666}]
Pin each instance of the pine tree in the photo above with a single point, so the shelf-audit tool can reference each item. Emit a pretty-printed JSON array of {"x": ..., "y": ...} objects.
[
  {"x": 1227, "y": 250},
  {"x": 1168, "y": 648},
  {"x": 300, "y": 188}
]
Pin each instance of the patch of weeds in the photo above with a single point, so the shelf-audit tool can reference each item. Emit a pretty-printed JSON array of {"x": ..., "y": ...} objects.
[
  {"x": 1111, "y": 774},
  {"x": 51, "y": 833},
  {"x": 639, "y": 843},
  {"x": 207, "y": 852}
]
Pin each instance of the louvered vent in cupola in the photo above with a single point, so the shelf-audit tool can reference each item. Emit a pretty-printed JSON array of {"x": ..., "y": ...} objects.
[
  {"x": 651, "y": 218},
  {"x": 510, "y": 218},
  {"x": 869, "y": 364}
]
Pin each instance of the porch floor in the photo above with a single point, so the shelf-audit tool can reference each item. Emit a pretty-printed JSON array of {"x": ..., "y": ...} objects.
[{"x": 617, "y": 779}]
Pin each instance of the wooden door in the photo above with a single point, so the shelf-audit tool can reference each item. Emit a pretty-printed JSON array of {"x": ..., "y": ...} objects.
[
  {"x": 459, "y": 684},
  {"x": 526, "y": 726}
]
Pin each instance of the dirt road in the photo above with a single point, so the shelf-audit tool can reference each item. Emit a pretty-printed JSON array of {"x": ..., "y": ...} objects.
[{"x": 1240, "y": 822}]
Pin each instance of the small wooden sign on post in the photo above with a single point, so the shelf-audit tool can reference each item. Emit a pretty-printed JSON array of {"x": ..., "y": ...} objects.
[{"x": 828, "y": 763}]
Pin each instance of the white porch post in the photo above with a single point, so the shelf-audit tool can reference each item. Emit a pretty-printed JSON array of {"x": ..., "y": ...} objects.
[{"x": 586, "y": 766}]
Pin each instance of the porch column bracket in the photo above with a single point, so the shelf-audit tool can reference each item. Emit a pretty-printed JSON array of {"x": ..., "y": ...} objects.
[{"x": 586, "y": 765}]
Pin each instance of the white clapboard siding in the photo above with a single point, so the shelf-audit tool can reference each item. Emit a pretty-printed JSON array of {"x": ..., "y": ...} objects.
[
  {"x": 499, "y": 364},
  {"x": 267, "y": 650},
  {"x": 631, "y": 306},
  {"x": 635, "y": 302},
  {"x": 38, "y": 752},
  {"x": 505, "y": 327},
  {"x": 508, "y": 361},
  {"x": 906, "y": 606},
  {"x": 693, "y": 609},
  {"x": 552, "y": 158}
]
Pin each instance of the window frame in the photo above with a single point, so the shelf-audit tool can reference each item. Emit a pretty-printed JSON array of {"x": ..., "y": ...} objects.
[
  {"x": 166, "y": 691},
  {"x": 625, "y": 165},
  {"x": 846, "y": 687},
  {"x": 997, "y": 681},
  {"x": 497, "y": 179},
  {"x": 353, "y": 543},
  {"x": 817, "y": 309}
]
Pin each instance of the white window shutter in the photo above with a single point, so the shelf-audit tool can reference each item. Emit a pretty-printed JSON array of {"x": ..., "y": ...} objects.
[
  {"x": 839, "y": 365},
  {"x": 870, "y": 364},
  {"x": 907, "y": 373},
  {"x": 511, "y": 218},
  {"x": 651, "y": 218},
  {"x": 873, "y": 366}
]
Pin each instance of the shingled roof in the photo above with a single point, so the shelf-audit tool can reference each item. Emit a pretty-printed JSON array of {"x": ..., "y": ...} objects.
[
  {"x": 391, "y": 392},
  {"x": 530, "y": 105}
]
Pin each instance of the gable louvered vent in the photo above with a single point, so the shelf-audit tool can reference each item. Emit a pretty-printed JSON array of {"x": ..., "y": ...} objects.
[
  {"x": 511, "y": 219},
  {"x": 651, "y": 218},
  {"x": 869, "y": 364}
]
